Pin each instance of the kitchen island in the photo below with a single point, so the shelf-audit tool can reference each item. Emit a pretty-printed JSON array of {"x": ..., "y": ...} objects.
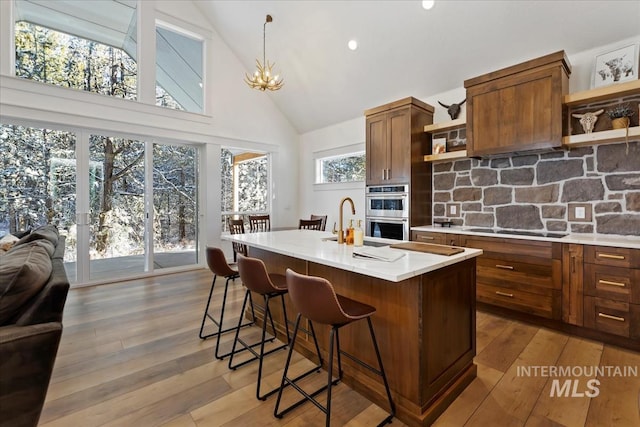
[{"x": 425, "y": 318}]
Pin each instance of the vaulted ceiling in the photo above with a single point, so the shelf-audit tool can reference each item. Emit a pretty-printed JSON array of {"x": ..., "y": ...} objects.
[{"x": 404, "y": 50}]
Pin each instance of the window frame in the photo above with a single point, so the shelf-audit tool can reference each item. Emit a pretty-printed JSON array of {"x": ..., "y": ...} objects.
[{"x": 319, "y": 157}]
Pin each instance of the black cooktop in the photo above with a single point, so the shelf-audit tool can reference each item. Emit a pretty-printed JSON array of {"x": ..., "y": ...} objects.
[{"x": 518, "y": 232}]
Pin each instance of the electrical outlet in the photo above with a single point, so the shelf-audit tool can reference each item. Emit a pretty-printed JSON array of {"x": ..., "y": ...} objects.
[
  {"x": 580, "y": 212},
  {"x": 453, "y": 209}
]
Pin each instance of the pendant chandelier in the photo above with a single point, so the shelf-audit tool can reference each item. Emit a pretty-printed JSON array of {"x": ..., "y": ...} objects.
[{"x": 263, "y": 78}]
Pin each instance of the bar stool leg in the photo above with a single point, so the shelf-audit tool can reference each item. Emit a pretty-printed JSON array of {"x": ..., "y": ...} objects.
[
  {"x": 327, "y": 411},
  {"x": 392, "y": 406},
  {"x": 206, "y": 312}
]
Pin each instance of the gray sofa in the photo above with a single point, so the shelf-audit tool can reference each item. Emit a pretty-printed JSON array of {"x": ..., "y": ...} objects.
[{"x": 33, "y": 291}]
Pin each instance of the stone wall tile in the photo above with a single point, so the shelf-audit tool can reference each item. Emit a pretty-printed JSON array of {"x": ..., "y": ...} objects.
[
  {"x": 519, "y": 176},
  {"x": 554, "y": 211},
  {"x": 616, "y": 158},
  {"x": 441, "y": 196},
  {"x": 555, "y": 171},
  {"x": 581, "y": 228},
  {"x": 614, "y": 223},
  {"x": 539, "y": 194},
  {"x": 552, "y": 155},
  {"x": 484, "y": 177},
  {"x": 556, "y": 225},
  {"x": 521, "y": 217},
  {"x": 624, "y": 182},
  {"x": 527, "y": 160},
  {"x": 463, "y": 181},
  {"x": 444, "y": 181},
  {"x": 439, "y": 209},
  {"x": 500, "y": 163},
  {"x": 471, "y": 207},
  {"x": 497, "y": 195},
  {"x": 462, "y": 165},
  {"x": 580, "y": 151},
  {"x": 442, "y": 167},
  {"x": 633, "y": 201},
  {"x": 582, "y": 190},
  {"x": 467, "y": 194},
  {"x": 605, "y": 207},
  {"x": 473, "y": 219}
]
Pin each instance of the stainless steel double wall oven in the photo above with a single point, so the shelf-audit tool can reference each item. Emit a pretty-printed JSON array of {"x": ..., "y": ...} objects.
[{"x": 387, "y": 213}]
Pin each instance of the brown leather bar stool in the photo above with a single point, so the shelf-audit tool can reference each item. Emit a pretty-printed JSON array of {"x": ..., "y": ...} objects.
[
  {"x": 315, "y": 299},
  {"x": 218, "y": 265},
  {"x": 255, "y": 278}
]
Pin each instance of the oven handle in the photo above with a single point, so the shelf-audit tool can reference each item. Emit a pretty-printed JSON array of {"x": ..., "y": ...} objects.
[
  {"x": 386, "y": 195},
  {"x": 387, "y": 219}
]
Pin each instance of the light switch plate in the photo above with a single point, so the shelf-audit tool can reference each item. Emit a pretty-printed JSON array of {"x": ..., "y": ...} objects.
[
  {"x": 580, "y": 212},
  {"x": 453, "y": 210}
]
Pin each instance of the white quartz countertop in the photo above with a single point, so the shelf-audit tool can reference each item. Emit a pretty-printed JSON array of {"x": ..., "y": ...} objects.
[
  {"x": 311, "y": 245},
  {"x": 581, "y": 239}
]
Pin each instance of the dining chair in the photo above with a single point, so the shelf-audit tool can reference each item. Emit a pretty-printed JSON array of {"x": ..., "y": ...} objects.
[
  {"x": 259, "y": 223},
  {"x": 310, "y": 224},
  {"x": 236, "y": 226},
  {"x": 324, "y": 221}
]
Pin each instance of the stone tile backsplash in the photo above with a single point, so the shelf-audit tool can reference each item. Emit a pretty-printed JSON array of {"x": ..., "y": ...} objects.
[{"x": 541, "y": 191}]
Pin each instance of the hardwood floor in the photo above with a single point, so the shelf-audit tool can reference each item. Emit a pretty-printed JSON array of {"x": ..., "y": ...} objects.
[{"x": 130, "y": 356}]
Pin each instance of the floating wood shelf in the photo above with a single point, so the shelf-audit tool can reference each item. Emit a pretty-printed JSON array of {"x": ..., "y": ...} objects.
[
  {"x": 452, "y": 155},
  {"x": 444, "y": 126},
  {"x": 602, "y": 93},
  {"x": 605, "y": 136}
]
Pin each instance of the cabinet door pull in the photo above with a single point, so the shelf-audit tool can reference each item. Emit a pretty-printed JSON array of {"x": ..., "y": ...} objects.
[
  {"x": 426, "y": 238},
  {"x": 384, "y": 174},
  {"x": 610, "y": 283},
  {"x": 608, "y": 316},
  {"x": 611, "y": 256},
  {"x": 504, "y": 294},
  {"x": 504, "y": 267}
]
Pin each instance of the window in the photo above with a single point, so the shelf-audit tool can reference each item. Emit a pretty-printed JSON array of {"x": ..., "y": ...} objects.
[
  {"x": 100, "y": 55},
  {"x": 245, "y": 183},
  {"x": 341, "y": 168},
  {"x": 179, "y": 67}
]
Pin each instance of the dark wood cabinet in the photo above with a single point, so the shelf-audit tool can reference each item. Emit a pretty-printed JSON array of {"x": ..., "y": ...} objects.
[
  {"x": 396, "y": 142},
  {"x": 517, "y": 108},
  {"x": 520, "y": 275},
  {"x": 612, "y": 290},
  {"x": 435, "y": 238}
]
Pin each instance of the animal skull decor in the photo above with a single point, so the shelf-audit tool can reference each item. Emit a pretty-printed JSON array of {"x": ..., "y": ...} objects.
[
  {"x": 453, "y": 109},
  {"x": 588, "y": 120}
]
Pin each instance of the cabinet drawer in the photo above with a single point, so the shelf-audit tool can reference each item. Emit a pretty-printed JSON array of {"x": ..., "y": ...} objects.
[
  {"x": 615, "y": 257},
  {"x": 436, "y": 238},
  {"x": 609, "y": 316},
  {"x": 515, "y": 299},
  {"x": 518, "y": 249},
  {"x": 615, "y": 283},
  {"x": 535, "y": 278}
]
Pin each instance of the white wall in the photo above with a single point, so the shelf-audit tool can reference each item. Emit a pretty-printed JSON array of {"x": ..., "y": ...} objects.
[
  {"x": 314, "y": 198},
  {"x": 235, "y": 115}
]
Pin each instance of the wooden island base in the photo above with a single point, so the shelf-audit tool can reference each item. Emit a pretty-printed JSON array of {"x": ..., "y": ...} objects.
[{"x": 425, "y": 327}]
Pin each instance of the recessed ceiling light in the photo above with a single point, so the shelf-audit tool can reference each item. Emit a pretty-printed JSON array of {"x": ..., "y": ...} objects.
[
  {"x": 428, "y": 4},
  {"x": 353, "y": 45}
]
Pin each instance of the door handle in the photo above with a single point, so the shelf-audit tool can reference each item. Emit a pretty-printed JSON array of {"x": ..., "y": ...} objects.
[
  {"x": 504, "y": 267},
  {"x": 610, "y": 283},
  {"x": 504, "y": 294}
]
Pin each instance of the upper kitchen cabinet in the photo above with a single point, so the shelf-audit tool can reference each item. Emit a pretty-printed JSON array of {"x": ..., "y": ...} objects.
[
  {"x": 517, "y": 108},
  {"x": 396, "y": 142}
]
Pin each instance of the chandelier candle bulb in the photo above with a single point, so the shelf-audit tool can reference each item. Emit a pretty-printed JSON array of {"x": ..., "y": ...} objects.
[{"x": 262, "y": 78}]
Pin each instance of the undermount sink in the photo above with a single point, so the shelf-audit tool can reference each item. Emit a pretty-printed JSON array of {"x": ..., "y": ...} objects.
[{"x": 366, "y": 242}]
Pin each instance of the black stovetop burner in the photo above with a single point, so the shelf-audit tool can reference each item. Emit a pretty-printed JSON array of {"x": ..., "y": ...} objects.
[{"x": 519, "y": 233}]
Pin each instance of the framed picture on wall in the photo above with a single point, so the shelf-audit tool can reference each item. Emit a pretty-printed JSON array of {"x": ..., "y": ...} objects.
[
  {"x": 439, "y": 145},
  {"x": 616, "y": 66}
]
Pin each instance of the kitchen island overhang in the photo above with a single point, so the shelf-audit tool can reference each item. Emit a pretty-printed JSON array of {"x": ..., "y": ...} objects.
[{"x": 425, "y": 318}]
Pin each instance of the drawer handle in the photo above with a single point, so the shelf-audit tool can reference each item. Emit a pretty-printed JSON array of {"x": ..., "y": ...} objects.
[
  {"x": 426, "y": 238},
  {"x": 504, "y": 267},
  {"x": 611, "y": 256},
  {"x": 608, "y": 316},
  {"x": 609, "y": 282},
  {"x": 504, "y": 294}
]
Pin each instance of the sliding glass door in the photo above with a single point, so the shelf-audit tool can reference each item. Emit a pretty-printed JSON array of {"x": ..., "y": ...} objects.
[{"x": 135, "y": 201}]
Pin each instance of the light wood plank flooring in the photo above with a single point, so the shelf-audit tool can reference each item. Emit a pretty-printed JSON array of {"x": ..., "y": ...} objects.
[{"x": 130, "y": 356}]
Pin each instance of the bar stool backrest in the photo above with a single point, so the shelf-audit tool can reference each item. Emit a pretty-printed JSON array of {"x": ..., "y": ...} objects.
[
  {"x": 236, "y": 226},
  {"x": 217, "y": 262},
  {"x": 254, "y": 275},
  {"x": 315, "y": 298}
]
